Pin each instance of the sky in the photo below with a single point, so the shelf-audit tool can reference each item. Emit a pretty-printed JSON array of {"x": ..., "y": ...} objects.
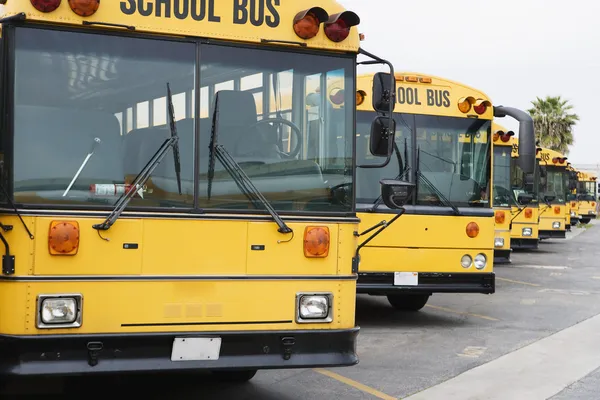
[{"x": 512, "y": 50}]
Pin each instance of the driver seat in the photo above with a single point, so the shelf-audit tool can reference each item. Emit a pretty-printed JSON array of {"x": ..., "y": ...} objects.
[{"x": 237, "y": 115}]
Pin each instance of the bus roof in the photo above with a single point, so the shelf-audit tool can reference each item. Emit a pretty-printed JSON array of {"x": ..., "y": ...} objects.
[
  {"x": 419, "y": 93},
  {"x": 241, "y": 21},
  {"x": 551, "y": 157},
  {"x": 586, "y": 176}
]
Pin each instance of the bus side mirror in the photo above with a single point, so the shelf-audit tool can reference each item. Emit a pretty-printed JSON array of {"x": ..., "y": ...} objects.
[
  {"x": 395, "y": 193},
  {"x": 524, "y": 199},
  {"x": 384, "y": 92},
  {"x": 382, "y": 136}
]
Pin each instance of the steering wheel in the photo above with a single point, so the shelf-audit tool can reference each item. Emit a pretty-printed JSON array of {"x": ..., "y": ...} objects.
[
  {"x": 295, "y": 130},
  {"x": 342, "y": 192}
]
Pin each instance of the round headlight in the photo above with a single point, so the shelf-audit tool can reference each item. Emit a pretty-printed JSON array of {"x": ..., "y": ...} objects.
[
  {"x": 480, "y": 261},
  {"x": 466, "y": 261}
]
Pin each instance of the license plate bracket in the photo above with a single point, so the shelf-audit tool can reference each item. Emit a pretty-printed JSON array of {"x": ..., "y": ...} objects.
[{"x": 406, "y": 278}]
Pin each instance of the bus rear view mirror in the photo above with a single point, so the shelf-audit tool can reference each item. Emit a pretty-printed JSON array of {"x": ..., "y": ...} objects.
[
  {"x": 384, "y": 90},
  {"x": 524, "y": 199},
  {"x": 382, "y": 136},
  {"x": 395, "y": 193}
]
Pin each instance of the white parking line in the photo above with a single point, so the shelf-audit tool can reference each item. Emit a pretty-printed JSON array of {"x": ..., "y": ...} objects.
[
  {"x": 553, "y": 267},
  {"x": 537, "y": 371}
]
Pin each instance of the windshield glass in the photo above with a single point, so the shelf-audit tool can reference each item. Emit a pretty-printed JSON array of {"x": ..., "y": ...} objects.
[
  {"x": 521, "y": 185},
  {"x": 587, "y": 191},
  {"x": 555, "y": 183},
  {"x": 503, "y": 195},
  {"x": 99, "y": 107},
  {"x": 451, "y": 156}
]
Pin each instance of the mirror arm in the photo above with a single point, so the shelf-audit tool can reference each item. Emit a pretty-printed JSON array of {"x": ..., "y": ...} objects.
[{"x": 383, "y": 225}]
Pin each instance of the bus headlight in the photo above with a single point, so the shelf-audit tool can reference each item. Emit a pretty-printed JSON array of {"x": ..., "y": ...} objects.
[
  {"x": 499, "y": 242},
  {"x": 526, "y": 232},
  {"x": 480, "y": 261},
  {"x": 313, "y": 307},
  {"x": 59, "y": 311},
  {"x": 466, "y": 261},
  {"x": 556, "y": 225}
]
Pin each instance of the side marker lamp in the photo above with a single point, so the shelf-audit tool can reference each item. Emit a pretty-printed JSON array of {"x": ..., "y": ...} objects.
[{"x": 308, "y": 22}]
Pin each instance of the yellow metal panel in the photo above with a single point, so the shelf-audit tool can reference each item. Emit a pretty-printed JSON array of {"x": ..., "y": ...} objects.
[
  {"x": 287, "y": 257},
  {"x": 402, "y": 259},
  {"x": 547, "y": 217},
  {"x": 440, "y": 97},
  {"x": 246, "y": 21},
  {"x": 503, "y": 230},
  {"x": 95, "y": 256},
  {"x": 194, "y": 247},
  {"x": 427, "y": 231},
  {"x": 178, "y": 305},
  {"x": 519, "y": 221}
]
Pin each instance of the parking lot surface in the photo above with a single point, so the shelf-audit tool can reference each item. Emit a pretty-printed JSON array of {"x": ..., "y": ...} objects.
[{"x": 535, "y": 338}]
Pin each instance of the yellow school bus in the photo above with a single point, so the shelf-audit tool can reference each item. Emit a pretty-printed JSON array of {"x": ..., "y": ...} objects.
[
  {"x": 524, "y": 230},
  {"x": 444, "y": 241},
  {"x": 503, "y": 198},
  {"x": 161, "y": 208},
  {"x": 553, "y": 188},
  {"x": 572, "y": 213},
  {"x": 587, "y": 196}
]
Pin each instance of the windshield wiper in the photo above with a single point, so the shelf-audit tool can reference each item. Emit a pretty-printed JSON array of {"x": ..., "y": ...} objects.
[
  {"x": 243, "y": 182},
  {"x": 141, "y": 179},
  {"x": 432, "y": 186}
]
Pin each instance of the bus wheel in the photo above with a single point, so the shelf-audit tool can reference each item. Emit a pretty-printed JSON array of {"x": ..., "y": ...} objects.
[
  {"x": 234, "y": 376},
  {"x": 408, "y": 302},
  {"x": 585, "y": 221}
]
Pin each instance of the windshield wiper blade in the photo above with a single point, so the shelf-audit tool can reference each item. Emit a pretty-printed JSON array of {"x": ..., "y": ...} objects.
[
  {"x": 144, "y": 175},
  {"x": 176, "y": 144},
  {"x": 246, "y": 186},
  {"x": 438, "y": 193}
]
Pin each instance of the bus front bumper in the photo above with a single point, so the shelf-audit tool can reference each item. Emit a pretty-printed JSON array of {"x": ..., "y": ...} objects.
[
  {"x": 122, "y": 353},
  {"x": 382, "y": 283},
  {"x": 552, "y": 234},
  {"x": 502, "y": 256},
  {"x": 524, "y": 244}
]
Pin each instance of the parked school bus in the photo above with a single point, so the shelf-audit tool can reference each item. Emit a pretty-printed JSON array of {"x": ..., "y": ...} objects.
[
  {"x": 235, "y": 253},
  {"x": 503, "y": 198},
  {"x": 443, "y": 243},
  {"x": 572, "y": 213},
  {"x": 587, "y": 196},
  {"x": 553, "y": 181}
]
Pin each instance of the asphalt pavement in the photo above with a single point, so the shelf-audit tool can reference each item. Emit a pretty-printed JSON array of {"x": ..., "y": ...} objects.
[{"x": 535, "y": 338}]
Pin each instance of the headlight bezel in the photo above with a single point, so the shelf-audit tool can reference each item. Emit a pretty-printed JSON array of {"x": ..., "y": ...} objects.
[
  {"x": 527, "y": 234},
  {"x": 498, "y": 242},
  {"x": 470, "y": 261},
  {"x": 76, "y": 323},
  {"x": 303, "y": 320},
  {"x": 556, "y": 225}
]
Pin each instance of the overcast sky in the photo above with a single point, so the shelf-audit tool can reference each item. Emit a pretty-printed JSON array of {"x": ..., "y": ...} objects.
[{"x": 513, "y": 50}]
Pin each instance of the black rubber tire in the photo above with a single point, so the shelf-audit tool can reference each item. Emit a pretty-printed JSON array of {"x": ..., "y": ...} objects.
[
  {"x": 234, "y": 376},
  {"x": 408, "y": 302},
  {"x": 585, "y": 221}
]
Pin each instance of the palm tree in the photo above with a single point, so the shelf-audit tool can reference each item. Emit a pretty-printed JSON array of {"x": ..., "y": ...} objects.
[{"x": 554, "y": 121}]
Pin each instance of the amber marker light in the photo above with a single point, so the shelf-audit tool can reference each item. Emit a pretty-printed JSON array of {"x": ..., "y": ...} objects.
[
  {"x": 528, "y": 213},
  {"x": 84, "y": 8},
  {"x": 500, "y": 217},
  {"x": 316, "y": 242},
  {"x": 45, "y": 5},
  {"x": 360, "y": 97},
  {"x": 63, "y": 238},
  {"x": 557, "y": 210},
  {"x": 465, "y": 104},
  {"x": 308, "y": 22},
  {"x": 472, "y": 229}
]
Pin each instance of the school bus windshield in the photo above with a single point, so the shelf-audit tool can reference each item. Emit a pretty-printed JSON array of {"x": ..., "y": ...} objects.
[
  {"x": 587, "y": 191},
  {"x": 555, "y": 183},
  {"x": 77, "y": 94},
  {"x": 449, "y": 161}
]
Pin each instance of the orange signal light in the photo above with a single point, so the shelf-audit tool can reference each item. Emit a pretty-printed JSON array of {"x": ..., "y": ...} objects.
[
  {"x": 84, "y": 8},
  {"x": 557, "y": 210},
  {"x": 308, "y": 22},
  {"x": 464, "y": 105},
  {"x": 496, "y": 136},
  {"x": 528, "y": 213},
  {"x": 425, "y": 80},
  {"x": 360, "y": 97},
  {"x": 63, "y": 238},
  {"x": 316, "y": 241},
  {"x": 412, "y": 79},
  {"x": 573, "y": 204},
  {"x": 593, "y": 204},
  {"x": 500, "y": 217},
  {"x": 472, "y": 230}
]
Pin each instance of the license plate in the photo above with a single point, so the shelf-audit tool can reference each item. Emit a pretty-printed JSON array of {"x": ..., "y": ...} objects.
[
  {"x": 406, "y": 278},
  {"x": 196, "y": 349}
]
